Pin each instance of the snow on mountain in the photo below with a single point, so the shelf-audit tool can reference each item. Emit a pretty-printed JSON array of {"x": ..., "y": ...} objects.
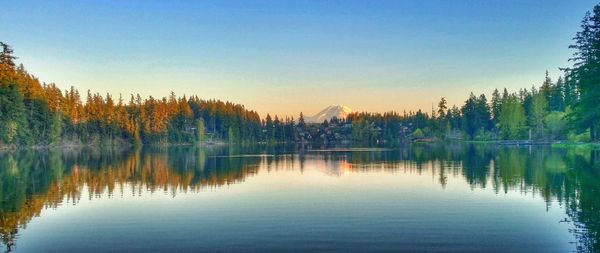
[{"x": 339, "y": 111}]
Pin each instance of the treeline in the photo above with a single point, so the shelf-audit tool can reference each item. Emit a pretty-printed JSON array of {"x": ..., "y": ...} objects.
[
  {"x": 547, "y": 113},
  {"x": 543, "y": 113},
  {"x": 40, "y": 114},
  {"x": 32, "y": 113},
  {"x": 565, "y": 109}
]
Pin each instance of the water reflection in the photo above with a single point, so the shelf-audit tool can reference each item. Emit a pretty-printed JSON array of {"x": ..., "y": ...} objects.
[{"x": 31, "y": 181}]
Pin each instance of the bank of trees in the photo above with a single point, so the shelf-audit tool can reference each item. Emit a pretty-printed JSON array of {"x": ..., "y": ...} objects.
[
  {"x": 568, "y": 108},
  {"x": 543, "y": 114},
  {"x": 565, "y": 109},
  {"x": 34, "y": 113}
]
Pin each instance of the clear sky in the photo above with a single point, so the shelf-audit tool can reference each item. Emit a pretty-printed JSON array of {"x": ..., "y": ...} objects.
[{"x": 283, "y": 57}]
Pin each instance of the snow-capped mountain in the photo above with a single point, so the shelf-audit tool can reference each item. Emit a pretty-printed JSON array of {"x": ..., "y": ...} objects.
[{"x": 339, "y": 111}]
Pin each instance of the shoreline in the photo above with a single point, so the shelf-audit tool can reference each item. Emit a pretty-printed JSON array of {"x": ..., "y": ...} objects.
[
  {"x": 114, "y": 145},
  {"x": 520, "y": 143}
]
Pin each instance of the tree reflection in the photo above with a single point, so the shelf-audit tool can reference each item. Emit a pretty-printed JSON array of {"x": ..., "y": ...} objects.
[{"x": 31, "y": 181}]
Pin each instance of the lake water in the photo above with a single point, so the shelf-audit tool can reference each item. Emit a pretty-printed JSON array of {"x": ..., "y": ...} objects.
[{"x": 420, "y": 198}]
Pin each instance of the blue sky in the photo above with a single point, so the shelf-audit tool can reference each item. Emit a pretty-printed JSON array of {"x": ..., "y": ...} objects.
[{"x": 283, "y": 57}]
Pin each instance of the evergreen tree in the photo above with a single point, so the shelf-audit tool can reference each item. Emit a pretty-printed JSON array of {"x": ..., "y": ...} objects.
[
  {"x": 557, "y": 98},
  {"x": 442, "y": 126},
  {"x": 442, "y": 107},
  {"x": 476, "y": 115},
  {"x": 570, "y": 92},
  {"x": 495, "y": 105},
  {"x": 546, "y": 89},
  {"x": 586, "y": 74}
]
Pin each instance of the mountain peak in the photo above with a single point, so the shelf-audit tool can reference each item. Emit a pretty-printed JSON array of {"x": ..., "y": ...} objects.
[{"x": 338, "y": 111}]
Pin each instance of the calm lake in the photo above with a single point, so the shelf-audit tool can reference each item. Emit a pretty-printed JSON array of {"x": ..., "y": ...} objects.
[{"x": 420, "y": 198}]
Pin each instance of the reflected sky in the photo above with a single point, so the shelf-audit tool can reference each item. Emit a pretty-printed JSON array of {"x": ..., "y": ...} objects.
[{"x": 420, "y": 198}]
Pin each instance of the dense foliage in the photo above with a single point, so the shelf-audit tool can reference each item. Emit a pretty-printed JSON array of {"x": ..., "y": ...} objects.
[{"x": 41, "y": 114}]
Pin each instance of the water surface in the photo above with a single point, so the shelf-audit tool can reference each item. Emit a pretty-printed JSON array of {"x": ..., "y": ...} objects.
[{"x": 428, "y": 198}]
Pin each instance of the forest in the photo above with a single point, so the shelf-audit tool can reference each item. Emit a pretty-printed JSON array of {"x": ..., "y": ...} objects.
[{"x": 37, "y": 114}]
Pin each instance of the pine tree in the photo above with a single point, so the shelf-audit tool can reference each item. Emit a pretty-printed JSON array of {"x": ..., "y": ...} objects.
[
  {"x": 586, "y": 74},
  {"x": 442, "y": 107},
  {"x": 495, "y": 105},
  {"x": 476, "y": 115},
  {"x": 570, "y": 92},
  {"x": 557, "y": 102}
]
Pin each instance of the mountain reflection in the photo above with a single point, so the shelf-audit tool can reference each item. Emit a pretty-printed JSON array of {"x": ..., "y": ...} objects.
[{"x": 31, "y": 181}]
